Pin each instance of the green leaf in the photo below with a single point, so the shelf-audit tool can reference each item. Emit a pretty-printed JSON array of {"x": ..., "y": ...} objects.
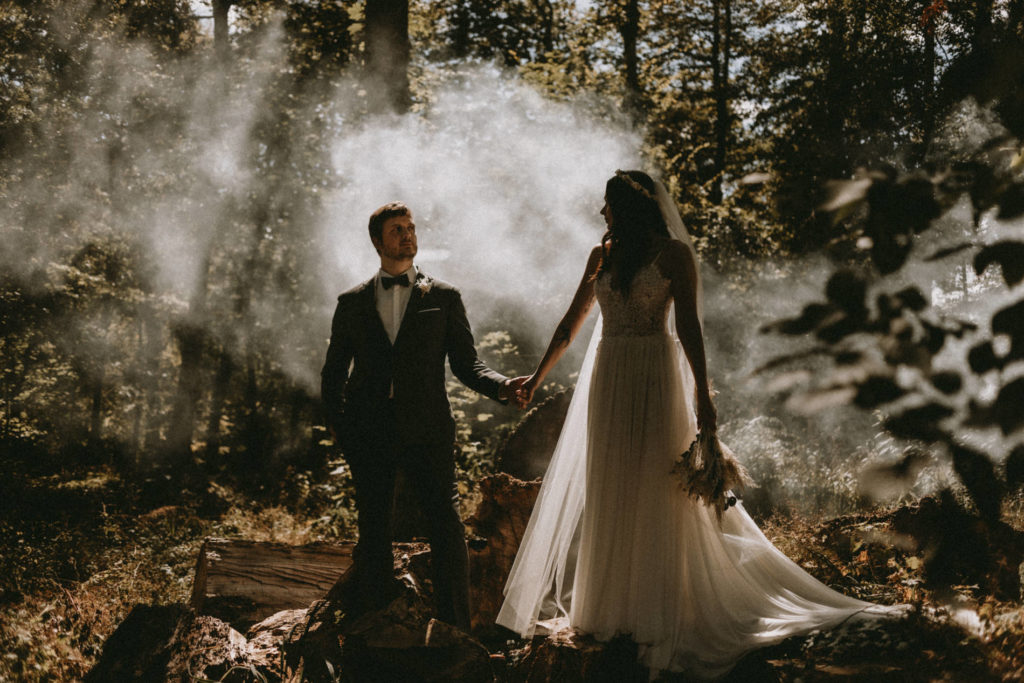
[
  {"x": 844, "y": 195},
  {"x": 847, "y": 290},
  {"x": 921, "y": 423},
  {"x": 1015, "y": 467},
  {"x": 1008, "y": 254},
  {"x": 1010, "y": 321},
  {"x": 912, "y": 298},
  {"x": 947, "y": 382},
  {"x": 982, "y": 358},
  {"x": 1008, "y": 408},
  {"x": 978, "y": 474},
  {"x": 1011, "y": 202},
  {"x": 809, "y": 319},
  {"x": 949, "y": 251},
  {"x": 877, "y": 390},
  {"x": 840, "y": 327}
]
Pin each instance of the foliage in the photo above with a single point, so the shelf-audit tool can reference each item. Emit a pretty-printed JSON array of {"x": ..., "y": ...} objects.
[
  {"x": 194, "y": 368},
  {"x": 482, "y": 425},
  {"x": 119, "y": 121},
  {"x": 84, "y": 306},
  {"x": 943, "y": 382},
  {"x": 78, "y": 550}
]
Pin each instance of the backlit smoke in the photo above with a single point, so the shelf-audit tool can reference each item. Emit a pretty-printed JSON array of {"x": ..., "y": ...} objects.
[{"x": 505, "y": 186}]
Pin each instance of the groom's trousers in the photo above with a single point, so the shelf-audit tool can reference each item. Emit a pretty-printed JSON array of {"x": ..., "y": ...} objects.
[{"x": 431, "y": 470}]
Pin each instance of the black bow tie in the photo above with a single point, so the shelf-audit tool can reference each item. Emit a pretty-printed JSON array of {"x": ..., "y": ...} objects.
[{"x": 389, "y": 282}]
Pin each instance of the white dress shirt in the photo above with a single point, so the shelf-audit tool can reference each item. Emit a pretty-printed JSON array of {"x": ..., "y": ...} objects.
[{"x": 391, "y": 303}]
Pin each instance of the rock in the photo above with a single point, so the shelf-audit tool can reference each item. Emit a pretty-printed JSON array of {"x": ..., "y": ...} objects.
[
  {"x": 441, "y": 653},
  {"x": 527, "y": 450},
  {"x": 570, "y": 657},
  {"x": 497, "y": 528},
  {"x": 170, "y": 643},
  {"x": 140, "y": 648},
  {"x": 267, "y": 637},
  {"x": 207, "y": 648}
]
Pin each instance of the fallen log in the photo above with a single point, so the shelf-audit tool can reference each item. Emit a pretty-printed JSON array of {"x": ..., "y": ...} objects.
[{"x": 244, "y": 582}]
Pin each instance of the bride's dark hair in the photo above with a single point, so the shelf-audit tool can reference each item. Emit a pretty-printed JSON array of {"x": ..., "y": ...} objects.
[{"x": 636, "y": 222}]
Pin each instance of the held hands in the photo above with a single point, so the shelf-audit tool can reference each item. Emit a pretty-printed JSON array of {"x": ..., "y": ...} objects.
[{"x": 521, "y": 390}]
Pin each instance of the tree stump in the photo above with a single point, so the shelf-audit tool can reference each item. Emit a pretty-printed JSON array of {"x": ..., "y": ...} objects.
[
  {"x": 496, "y": 530},
  {"x": 398, "y": 642}
]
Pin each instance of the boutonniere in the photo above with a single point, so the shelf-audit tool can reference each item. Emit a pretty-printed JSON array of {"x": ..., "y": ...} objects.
[{"x": 423, "y": 285}]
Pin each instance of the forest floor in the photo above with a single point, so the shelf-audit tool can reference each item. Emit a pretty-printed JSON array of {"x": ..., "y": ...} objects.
[{"x": 78, "y": 550}]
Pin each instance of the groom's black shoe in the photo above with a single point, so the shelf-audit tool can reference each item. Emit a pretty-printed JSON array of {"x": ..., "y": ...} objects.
[{"x": 355, "y": 594}]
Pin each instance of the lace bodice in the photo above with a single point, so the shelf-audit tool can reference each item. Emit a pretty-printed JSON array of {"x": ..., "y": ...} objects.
[{"x": 643, "y": 312}]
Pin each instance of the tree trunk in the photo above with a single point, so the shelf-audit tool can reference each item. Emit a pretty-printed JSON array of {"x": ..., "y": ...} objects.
[
  {"x": 928, "y": 82},
  {"x": 721, "y": 48},
  {"x": 96, "y": 418},
  {"x": 629, "y": 29},
  {"x": 221, "y": 382},
  {"x": 981, "y": 41},
  {"x": 387, "y": 54},
  {"x": 836, "y": 75},
  {"x": 221, "y": 42},
  {"x": 152, "y": 330},
  {"x": 1015, "y": 20},
  {"x": 191, "y": 336},
  {"x": 547, "y": 17},
  {"x": 5, "y": 428},
  {"x": 256, "y": 427},
  {"x": 139, "y": 413},
  {"x": 461, "y": 21},
  {"x": 183, "y": 418}
]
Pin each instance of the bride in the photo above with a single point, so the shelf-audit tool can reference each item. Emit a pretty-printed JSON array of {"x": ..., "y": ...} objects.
[{"x": 614, "y": 546}]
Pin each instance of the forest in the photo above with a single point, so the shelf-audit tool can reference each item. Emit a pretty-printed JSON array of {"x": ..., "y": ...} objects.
[{"x": 184, "y": 189}]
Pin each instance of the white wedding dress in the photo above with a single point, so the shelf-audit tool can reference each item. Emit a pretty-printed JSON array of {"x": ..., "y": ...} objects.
[{"x": 614, "y": 547}]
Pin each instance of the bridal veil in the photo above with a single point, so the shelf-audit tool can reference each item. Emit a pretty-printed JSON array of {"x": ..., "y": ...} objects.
[{"x": 540, "y": 585}]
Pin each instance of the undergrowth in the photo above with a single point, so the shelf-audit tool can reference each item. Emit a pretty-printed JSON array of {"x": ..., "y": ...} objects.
[{"x": 80, "y": 549}]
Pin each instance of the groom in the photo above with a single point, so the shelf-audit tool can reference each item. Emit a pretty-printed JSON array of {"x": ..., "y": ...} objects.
[{"x": 383, "y": 388}]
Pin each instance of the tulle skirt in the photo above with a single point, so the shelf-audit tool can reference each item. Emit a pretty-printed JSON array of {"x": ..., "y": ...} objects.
[{"x": 693, "y": 592}]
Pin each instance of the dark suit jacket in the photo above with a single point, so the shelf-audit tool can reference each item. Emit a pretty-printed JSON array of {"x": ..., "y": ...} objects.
[{"x": 362, "y": 364}]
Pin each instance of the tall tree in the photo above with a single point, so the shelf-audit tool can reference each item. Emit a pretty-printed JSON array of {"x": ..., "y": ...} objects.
[
  {"x": 721, "y": 46},
  {"x": 930, "y": 15},
  {"x": 546, "y": 11},
  {"x": 516, "y": 32},
  {"x": 387, "y": 54},
  {"x": 981, "y": 40},
  {"x": 629, "y": 29},
  {"x": 1015, "y": 19},
  {"x": 221, "y": 9}
]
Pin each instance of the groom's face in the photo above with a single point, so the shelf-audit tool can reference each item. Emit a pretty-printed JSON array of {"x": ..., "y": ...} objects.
[{"x": 398, "y": 238}]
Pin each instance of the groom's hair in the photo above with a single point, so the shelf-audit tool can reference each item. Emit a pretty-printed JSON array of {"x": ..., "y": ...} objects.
[{"x": 389, "y": 210}]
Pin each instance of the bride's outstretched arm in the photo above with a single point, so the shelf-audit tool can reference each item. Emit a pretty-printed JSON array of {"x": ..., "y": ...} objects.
[
  {"x": 678, "y": 264},
  {"x": 566, "y": 331}
]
